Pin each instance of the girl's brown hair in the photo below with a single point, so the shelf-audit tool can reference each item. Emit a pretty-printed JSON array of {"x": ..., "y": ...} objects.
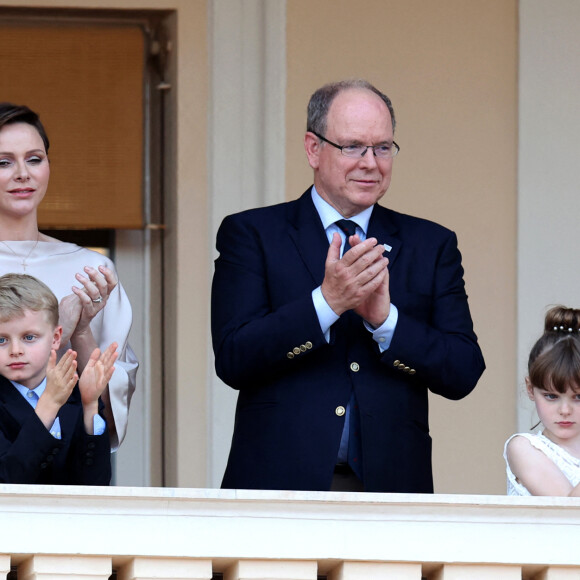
[{"x": 554, "y": 362}]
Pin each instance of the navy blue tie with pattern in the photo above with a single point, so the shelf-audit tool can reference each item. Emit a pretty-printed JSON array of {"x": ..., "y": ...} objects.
[{"x": 348, "y": 227}]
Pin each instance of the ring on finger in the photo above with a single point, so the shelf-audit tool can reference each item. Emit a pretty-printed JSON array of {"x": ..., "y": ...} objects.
[{"x": 97, "y": 300}]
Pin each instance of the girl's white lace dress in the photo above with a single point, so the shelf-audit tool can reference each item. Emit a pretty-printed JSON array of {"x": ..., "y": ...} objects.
[{"x": 568, "y": 464}]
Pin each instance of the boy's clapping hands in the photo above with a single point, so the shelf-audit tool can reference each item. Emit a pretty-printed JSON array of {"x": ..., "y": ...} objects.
[
  {"x": 61, "y": 378},
  {"x": 94, "y": 380}
]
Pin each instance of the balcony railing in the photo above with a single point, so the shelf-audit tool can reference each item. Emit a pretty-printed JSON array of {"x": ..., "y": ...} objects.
[{"x": 64, "y": 533}]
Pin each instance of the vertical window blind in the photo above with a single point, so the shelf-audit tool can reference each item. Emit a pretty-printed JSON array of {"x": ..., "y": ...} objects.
[{"x": 87, "y": 84}]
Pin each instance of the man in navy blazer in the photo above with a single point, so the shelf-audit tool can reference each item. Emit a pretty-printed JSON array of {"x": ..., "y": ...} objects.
[{"x": 334, "y": 331}]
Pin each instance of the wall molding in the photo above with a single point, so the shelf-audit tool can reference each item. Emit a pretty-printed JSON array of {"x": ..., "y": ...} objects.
[{"x": 246, "y": 150}]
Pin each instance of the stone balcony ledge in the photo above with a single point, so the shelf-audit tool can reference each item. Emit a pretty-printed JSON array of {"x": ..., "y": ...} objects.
[{"x": 223, "y": 527}]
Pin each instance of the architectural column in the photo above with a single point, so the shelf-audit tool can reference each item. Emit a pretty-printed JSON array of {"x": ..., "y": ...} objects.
[
  {"x": 165, "y": 569},
  {"x": 246, "y": 149},
  {"x": 557, "y": 573},
  {"x": 478, "y": 572},
  {"x": 64, "y": 567},
  {"x": 272, "y": 570},
  {"x": 4, "y": 565},
  {"x": 375, "y": 570},
  {"x": 548, "y": 200}
]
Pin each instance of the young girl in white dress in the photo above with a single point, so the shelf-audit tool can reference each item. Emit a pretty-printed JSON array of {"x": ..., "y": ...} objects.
[{"x": 548, "y": 462}]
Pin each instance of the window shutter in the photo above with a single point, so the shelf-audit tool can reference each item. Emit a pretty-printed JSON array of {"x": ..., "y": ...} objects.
[{"x": 87, "y": 85}]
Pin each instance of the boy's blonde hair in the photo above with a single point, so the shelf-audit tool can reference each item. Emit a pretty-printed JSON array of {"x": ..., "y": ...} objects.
[{"x": 20, "y": 292}]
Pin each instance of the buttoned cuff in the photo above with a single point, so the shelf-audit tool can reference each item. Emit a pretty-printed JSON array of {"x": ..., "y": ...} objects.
[
  {"x": 384, "y": 333},
  {"x": 326, "y": 315}
]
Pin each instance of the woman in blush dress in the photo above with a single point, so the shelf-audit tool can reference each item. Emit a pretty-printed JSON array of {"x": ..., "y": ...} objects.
[{"x": 96, "y": 311}]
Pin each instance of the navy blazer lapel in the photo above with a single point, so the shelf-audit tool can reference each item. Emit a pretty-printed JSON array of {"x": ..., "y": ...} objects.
[
  {"x": 307, "y": 233},
  {"x": 14, "y": 408},
  {"x": 383, "y": 227},
  {"x": 17, "y": 411}
]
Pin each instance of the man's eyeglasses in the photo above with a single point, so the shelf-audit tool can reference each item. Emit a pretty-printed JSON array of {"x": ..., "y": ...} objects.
[{"x": 384, "y": 151}]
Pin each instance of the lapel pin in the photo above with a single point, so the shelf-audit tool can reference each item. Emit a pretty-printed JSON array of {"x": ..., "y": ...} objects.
[{"x": 387, "y": 247}]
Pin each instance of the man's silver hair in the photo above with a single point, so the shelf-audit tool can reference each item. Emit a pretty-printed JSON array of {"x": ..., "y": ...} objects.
[{"x": 321, "y": 100}]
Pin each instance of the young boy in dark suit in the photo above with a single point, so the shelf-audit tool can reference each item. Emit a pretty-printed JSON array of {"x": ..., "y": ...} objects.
[{"x": 51, "y": 431}]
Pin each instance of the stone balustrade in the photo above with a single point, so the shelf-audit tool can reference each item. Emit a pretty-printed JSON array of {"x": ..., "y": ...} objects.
[{"x": 89, "y": 533}]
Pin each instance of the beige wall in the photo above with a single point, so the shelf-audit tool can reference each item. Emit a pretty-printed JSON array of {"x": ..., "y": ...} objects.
[{"x": 450, "y": 68}]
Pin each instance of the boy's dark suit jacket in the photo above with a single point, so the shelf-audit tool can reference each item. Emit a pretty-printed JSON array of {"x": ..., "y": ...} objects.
[
  {"x": 287, "y": 429},
  {"x": 30, "y": 454}
]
